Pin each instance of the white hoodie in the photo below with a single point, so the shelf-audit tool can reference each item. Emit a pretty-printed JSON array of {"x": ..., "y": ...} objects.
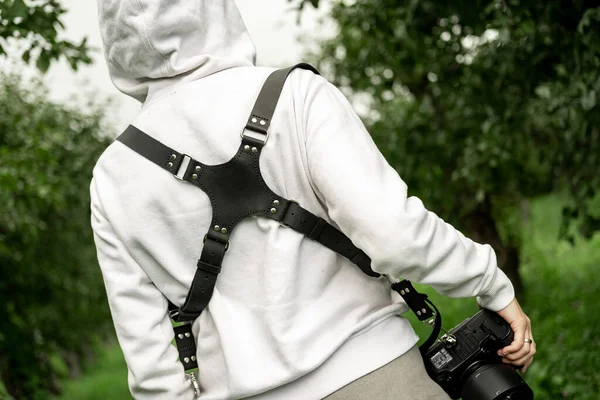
[{"x": 289, "y": 319}]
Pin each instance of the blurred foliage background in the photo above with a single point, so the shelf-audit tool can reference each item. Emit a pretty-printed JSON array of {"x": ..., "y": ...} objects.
[
  {"x": 53, "y": 311},
  {"x": 480, "y": 105},
  {"x": 487, "y": 109}
]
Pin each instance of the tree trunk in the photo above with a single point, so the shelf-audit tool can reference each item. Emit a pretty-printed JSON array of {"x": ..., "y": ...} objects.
[
  {"x": 73, "y": 364},
  {"x": 511, "y": 267},
  {"x": 481, "y": 227}
]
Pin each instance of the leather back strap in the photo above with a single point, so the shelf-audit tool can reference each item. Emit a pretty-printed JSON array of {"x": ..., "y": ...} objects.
[
  {"x": 287, "y": 212},
  {"x": 244, "y": 172}
]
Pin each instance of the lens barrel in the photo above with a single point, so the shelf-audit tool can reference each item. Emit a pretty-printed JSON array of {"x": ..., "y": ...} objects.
[{"x": 496, "y": 382}]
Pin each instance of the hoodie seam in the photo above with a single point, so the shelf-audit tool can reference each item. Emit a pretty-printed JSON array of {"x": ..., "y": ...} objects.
[{"x": 147, "y": 37}]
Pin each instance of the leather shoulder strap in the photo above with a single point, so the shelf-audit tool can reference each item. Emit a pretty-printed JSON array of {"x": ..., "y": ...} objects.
[{"x": 266, "y": 102}]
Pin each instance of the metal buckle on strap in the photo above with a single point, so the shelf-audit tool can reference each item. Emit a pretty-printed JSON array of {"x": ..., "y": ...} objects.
[
  {"x": 178, "y": 316},
  {"x": 174, "y": 314},
  {"x": 183, "y": 167},
  {"x": 290, "y": 202},
  {"x": 226, "y": 243},
  {"x": 261, "y": 137}
]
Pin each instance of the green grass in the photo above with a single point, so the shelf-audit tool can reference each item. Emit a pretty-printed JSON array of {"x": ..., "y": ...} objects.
[
  {"x": 562, "y": 300},
  {"x": 106, "y": 380},
  {"x": 3, "y": 393},
  {"x": 562, "y": 296}
]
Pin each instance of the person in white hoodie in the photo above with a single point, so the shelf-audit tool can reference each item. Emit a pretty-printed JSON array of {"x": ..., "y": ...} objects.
[{"x": 289, "y": 318}]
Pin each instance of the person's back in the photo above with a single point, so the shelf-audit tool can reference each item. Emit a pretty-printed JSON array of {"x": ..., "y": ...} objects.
[{"x": 288, "y": 318}]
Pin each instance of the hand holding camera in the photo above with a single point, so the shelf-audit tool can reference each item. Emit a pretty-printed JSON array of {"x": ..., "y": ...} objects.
[
  {"x": 522, "y": 349},
  {"x": 470, "y": 361}
]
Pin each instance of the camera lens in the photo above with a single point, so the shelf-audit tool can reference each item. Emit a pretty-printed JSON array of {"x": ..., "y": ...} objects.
[{"x": 496, "y": 382}]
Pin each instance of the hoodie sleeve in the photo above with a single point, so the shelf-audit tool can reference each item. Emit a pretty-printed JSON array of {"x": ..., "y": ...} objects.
[
  {"x": 368, "y": 201},
  {"x": 139, "y": 312}
]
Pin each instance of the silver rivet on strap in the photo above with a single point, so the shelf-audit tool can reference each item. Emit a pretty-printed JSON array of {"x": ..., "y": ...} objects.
[
  {"x": 193, "y": 358},
  {"x": 254, "y": 120},
  {"x": 407, "y": 290},
  {"x": 263, "y": 122},
  {"x": 186, "y": 360},
  {"x": 247, "y": 148},
  {"x": 276, "y": 203},
  {"x": 418, "y": 312},
  {"x": 402, "y": 292},
  {"x": 423, "y": 310},
  {"x": 217, "y": 227},
  {"x": 173, "y": 156},
  {"x": 169, "y": 164},
  {"x": 273, "y": 210},
  {"x": 187, "y": 334},
  {"x": 198, "y": 168},
  {"x": 194, "y": 176},
  {"x": 180, "y": 336},
  {"x": 223, "y": 230},
  {"x": 254, "y": 149}
]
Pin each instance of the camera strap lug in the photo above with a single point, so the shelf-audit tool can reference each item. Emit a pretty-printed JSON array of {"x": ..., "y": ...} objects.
[
  {"x": 448, "y": 339},
  {"x": 416, "y": 301},
  {"x": 424, "y": 309}
]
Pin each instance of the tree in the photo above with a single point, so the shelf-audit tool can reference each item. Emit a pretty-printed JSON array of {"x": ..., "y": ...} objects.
[
  {"x": 479, "y": 105},
  {"x": 35, "y": 25},
  {"x": 53, "y": 305}
]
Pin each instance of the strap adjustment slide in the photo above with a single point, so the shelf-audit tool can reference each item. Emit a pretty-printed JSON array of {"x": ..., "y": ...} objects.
[
  {"x": 255, "y": 135},
  {"x": 289, "y": 204},
  {"x": 217, "y": 237},
  {"x": 206, "y": 267},
  {"x": 183, "y": 167}
]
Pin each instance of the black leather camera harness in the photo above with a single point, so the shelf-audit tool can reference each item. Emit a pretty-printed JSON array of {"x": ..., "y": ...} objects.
[{"x": 236, "y": 190}]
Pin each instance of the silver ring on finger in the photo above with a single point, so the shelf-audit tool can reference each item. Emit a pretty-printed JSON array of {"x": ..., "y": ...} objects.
[{"x": 528, "y": 340}]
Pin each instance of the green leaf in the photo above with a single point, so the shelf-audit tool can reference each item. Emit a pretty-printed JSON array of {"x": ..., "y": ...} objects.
[
  {"x": 43, "y": 62},
  {"x": 18, "y": 9},
  {"x": 39, "y": 20},
  {"x": 26, "y": 56}
]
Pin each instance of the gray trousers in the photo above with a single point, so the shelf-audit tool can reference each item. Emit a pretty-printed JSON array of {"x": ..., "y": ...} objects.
[{"x": 404, "y": 378}]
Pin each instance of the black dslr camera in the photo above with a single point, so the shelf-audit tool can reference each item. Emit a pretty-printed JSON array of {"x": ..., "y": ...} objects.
[{"x": 466, "y": 365}]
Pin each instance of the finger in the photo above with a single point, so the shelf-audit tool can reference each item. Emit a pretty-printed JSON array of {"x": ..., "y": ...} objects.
[
  {"x": 522, "y": 360},
  {"x": 517, "y": 342},
  {"x": 524, "y": 352},
  {"x": 526, "y": 366}
]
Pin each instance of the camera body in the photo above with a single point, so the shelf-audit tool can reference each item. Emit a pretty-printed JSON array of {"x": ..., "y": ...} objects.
[{"x": 465, "y": 361}]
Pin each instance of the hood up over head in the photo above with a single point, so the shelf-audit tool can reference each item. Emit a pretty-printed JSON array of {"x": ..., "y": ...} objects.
[{"x": 150, "y": 45}]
